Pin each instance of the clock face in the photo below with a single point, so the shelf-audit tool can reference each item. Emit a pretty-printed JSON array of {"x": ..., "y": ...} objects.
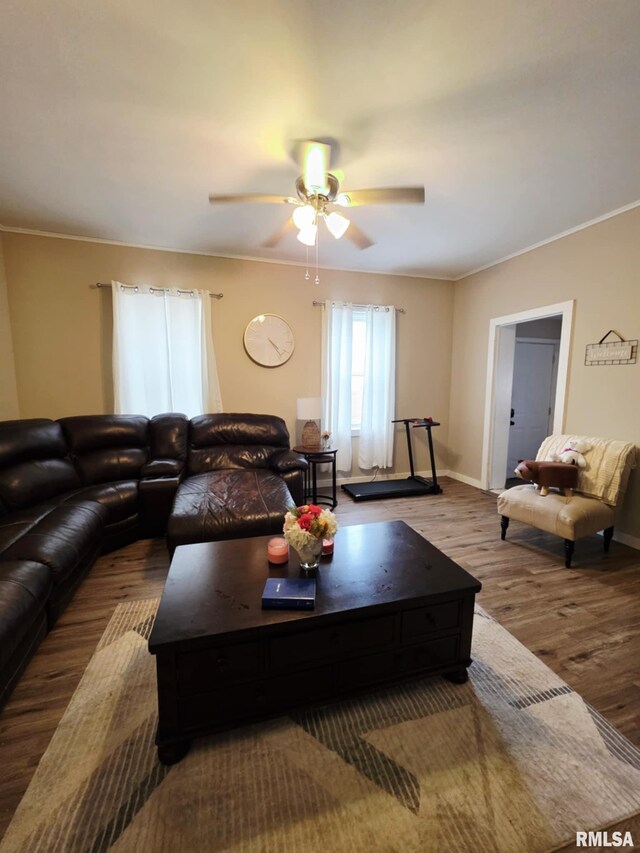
[{"x": 268, "y": 340}]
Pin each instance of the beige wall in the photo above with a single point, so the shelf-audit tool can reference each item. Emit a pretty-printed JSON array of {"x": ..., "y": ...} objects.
[
  {"x": 8, "y": 390},
  {"x": 599, "y": 268},
  {"x": 62, "y": 329}
]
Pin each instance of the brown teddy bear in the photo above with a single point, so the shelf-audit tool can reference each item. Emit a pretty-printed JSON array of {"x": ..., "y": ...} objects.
[{"x": 546, "y": 475}]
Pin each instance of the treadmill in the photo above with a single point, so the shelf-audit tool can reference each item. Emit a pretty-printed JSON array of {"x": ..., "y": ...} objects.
[{"x": 413, "y": 485}]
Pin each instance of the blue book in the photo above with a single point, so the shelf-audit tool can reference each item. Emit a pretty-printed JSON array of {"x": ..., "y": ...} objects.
[{"x": 289, "y": 594}]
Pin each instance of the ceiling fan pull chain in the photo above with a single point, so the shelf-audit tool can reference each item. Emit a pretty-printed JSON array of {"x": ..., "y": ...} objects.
[
  {"x": 317, "y": 241},
  {"x": 306, "y": 275}
]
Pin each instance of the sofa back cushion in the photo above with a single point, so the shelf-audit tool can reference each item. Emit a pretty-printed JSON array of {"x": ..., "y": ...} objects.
[
  {"x": 234, "y": 441},
  {"x": 34, "y": 465},
  {"x": 107, "y": 448},
  {"x": 609, "y": 463},
  {"x": 168, "y": 436}
]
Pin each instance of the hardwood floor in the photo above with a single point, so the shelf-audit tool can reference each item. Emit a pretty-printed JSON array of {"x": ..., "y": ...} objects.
[{"x": 583, "y": 622}]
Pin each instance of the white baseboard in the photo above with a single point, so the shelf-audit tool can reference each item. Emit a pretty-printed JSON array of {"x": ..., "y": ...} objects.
[
  {"x": 399, "y": 475},
  {"x": 625, "y": 539},
  {"x": 470, "y": 481}
]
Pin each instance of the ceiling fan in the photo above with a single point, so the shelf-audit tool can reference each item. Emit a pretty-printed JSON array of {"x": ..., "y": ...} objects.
[{"x": 318, "y": 192}]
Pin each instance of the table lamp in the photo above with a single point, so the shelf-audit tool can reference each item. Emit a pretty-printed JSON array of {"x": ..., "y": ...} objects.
[{"x": 309, "y": 409}]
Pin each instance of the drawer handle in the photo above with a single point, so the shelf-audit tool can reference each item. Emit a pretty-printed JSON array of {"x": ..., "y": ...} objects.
[
  {"x": 221, "y": 663},
  {"x": 429, "y": 618}
]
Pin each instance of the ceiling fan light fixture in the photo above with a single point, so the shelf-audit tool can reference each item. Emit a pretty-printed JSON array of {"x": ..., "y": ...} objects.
[
  {"x": 342, "y": 199},
  {"x": 304, "y": 216},
  {"x": 337, "y": 224},
  {"x": 307, "y": 235},
  {"x": 315, "y": 172}
]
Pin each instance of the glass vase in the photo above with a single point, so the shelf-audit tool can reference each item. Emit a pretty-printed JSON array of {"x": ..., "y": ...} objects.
[{"x": 310, "y": 555}]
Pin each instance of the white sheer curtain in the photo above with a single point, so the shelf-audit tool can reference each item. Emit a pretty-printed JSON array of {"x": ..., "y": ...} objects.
[
  {"x": 379, "y": 394},
  {"x": 379, "y": 387},
  {"x": 163, "y": 355},
  {"x": 336, "y": 378}
]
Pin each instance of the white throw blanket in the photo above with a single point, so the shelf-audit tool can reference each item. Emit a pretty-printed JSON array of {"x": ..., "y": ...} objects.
[{"x": 608, "y": 465}]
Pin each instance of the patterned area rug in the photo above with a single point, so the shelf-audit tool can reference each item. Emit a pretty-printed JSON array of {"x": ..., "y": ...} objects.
[{"x": 512, "y": 761}]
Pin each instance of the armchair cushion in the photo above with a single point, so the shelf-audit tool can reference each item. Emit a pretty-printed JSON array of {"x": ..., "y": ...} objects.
[{"x": 569, "y": 517}]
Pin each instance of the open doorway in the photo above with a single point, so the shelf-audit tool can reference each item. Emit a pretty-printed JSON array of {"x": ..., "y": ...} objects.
[
  {"x": 526, "y": 385},
  {"x": 535, "y": 375}
]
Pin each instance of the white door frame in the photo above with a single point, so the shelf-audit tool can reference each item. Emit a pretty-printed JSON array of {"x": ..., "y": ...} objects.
[{"x": 502, "y": 341}]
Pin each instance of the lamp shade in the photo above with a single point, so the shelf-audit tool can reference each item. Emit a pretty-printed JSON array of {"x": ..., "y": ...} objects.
[
  {"x": 337, "y": 224},
  {"x": 304, "y": 216},
  {"x": 307, "y": 235},
  {"x": 309, "y": 408}
]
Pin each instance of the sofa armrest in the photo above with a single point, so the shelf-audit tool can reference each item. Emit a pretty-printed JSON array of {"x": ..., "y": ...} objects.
[
  {"x": 159, "y": 481},
  {"x": 287, "y": 460},
  {"x": 159, "y": 468}
]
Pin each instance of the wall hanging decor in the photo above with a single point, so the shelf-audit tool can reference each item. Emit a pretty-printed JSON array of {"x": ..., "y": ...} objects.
[{"x": 612, "y": 352}]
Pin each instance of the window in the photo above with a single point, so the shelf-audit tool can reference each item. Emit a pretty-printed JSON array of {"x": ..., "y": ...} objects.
[
  {"x": 163, "y": 357},
  {"x": 358, "y": 382},
  {"x": 359, "y": 340}
]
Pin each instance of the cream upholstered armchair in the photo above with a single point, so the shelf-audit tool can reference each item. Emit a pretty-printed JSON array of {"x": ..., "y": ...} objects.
[{"x": 591, "y": 508}]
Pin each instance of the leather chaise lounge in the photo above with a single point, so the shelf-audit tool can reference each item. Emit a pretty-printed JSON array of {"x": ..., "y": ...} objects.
[
  {"x": 240, "y": 474},
  {"x": 73, "y": 488}
]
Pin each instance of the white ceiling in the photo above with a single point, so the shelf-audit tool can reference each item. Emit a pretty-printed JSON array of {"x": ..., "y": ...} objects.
[{"x": 520, "y": 117}]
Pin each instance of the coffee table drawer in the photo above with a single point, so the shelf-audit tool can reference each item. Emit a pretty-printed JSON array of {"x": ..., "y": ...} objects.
[
  {"x": 430, "y": 655},
  {"x": 372, "y": 669},
  {"x": 428, "y": 620},
  {"x": 254, "y": 699},
  {"x": 330, "y": 643},
  {"x": 219, "y": 665}
]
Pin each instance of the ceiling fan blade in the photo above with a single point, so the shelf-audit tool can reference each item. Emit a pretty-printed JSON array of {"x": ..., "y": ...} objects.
[
  {"x": 388, "y": 195},
  {"x": 277, "y": 236},
  {"x": 357, "y": 236},
  {"x": 261, "y": 198}
]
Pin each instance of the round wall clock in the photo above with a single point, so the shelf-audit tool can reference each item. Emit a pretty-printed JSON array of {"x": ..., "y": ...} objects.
[{"x": 268, "y": 340}]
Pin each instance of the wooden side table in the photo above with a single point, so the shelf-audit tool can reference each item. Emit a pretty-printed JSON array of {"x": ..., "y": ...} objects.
[{"x": 319, "y": 456}]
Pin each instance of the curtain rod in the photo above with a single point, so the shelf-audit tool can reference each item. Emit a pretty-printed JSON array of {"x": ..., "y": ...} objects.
[
  {"x": 159, "y": 289},
  {"x": 377, "y": 307}
]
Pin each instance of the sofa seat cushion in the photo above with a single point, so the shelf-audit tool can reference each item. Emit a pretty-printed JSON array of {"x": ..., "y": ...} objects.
[
  {"x": 570, "y": 518},
  {"x": 119, "y": 499},
  {"x": 228, "y": 504},
  {"x": 60, "y": 537},
  {"x": 24, "y": 587}
]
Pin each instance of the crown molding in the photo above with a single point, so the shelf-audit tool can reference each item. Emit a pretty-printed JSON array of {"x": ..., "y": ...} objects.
[
  {"x": 35, "y": 233},
  {"x": 553, "y": 239},
  {"x": 560, "y": 236}
]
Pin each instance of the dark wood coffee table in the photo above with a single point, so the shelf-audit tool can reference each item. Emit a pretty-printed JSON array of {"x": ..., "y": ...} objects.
[{"x": 389, "y": 605}]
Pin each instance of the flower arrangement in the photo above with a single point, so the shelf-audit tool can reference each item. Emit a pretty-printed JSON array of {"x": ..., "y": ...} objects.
[{"x": 304, "y": 525}]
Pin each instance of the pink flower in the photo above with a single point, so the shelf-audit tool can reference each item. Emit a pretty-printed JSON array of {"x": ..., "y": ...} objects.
[
  {"x": 314, "y": 510},
  {"x": 305, "y": 521}
]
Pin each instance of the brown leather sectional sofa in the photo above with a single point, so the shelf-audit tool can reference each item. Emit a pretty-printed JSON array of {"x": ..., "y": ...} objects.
[{"x": 73, "y": 488}]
